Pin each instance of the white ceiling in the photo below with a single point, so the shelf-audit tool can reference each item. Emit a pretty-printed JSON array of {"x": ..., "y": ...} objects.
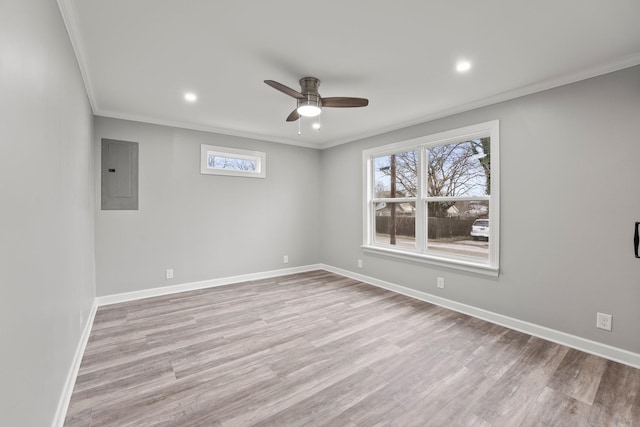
[{"x": 139, "y": 57}]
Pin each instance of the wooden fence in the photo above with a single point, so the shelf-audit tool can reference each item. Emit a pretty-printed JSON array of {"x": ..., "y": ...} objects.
[{"x": 437, "y": 227}]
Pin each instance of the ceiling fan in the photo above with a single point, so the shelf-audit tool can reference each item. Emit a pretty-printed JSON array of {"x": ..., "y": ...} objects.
[{"x": 310, "y": 102}]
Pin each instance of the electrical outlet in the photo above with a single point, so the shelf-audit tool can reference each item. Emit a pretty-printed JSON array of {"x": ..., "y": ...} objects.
[
  {"x": 359, "y": 263},
  {"x": 285, "y": 259},
  {"x": 603, "y": 321},
  {"x": 440, "y": 282},
  {"x": 169, "y": 273}
]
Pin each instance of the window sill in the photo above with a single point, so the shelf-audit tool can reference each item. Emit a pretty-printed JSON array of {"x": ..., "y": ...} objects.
[{"x": 470, "y": 266}]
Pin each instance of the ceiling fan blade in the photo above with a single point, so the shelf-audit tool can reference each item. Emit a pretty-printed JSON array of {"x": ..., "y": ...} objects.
[
  {"x": 293, "y": 116},
  {"x": 285, "y": 89},
  {"x": 344, "y": 102}
]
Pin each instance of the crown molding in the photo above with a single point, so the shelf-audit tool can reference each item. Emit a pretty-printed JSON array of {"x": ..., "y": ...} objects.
[{"x": 71, "y": 22}]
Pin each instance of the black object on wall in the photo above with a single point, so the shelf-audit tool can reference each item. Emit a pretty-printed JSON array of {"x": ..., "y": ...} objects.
[{"x": 636, "y": 240}]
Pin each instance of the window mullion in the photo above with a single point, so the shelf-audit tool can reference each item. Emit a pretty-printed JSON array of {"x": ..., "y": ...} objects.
[
  {"x": 421, "y": 211},
  {"x": 369, "y": 220},
  {"x": 395, "y": 200},
  {"x": 457, "y": 198}
]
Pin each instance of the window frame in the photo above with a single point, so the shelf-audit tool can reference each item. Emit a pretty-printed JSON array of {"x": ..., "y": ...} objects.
[
  {"x": 258, "y": 156},
  {"x": 422, "y": 253}
]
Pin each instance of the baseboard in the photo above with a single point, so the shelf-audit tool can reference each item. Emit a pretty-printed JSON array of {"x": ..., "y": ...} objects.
[
  {"x": 603, "y": 350},
  {"x": 65, "y": 397},
  {"x": 192, "y": 286}
]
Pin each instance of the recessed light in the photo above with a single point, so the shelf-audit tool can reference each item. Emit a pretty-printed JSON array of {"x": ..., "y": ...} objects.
[
  {"x": 191, "y": 97},
  {"x": 316, "y": 126},
  {"x": 463, "y": 66}
]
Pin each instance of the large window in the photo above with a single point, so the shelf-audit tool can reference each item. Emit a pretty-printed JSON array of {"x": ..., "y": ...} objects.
[{"x": 436, "y": 198}]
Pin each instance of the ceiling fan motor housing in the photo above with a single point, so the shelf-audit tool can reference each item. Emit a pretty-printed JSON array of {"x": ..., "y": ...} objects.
[
  {"x": 309, "y": 88},
  {"x": 309, "y": 85}
]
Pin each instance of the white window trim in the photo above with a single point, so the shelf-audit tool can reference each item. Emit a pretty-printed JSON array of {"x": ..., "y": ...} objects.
[
  {"x": 491, "y": 266},
  {"x": 257, "y": 156}
]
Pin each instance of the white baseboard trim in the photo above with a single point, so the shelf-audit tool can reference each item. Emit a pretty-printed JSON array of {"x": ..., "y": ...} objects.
[
  {"x": 192, "y": 286},
  {"x": 65, "y": 397},
  {"x": 603, "y": 350}
]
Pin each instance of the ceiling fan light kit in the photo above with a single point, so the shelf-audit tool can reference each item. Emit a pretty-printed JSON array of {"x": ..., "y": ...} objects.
[
  {"x": 309, "y": 101},
  {"x": 309, "y": 107}
]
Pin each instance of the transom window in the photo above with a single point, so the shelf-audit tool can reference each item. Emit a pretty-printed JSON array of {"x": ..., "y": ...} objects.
[
  {"x": 436, "y": 198},
  {"x": 232, "y": 161}
]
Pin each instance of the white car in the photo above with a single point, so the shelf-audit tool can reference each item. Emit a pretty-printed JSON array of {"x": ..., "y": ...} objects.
[{"x": 480, "y": 228}]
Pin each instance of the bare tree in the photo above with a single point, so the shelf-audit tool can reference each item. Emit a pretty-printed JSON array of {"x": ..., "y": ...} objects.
[
  {"x": 222, "y": 162},
  {"x": 459, "y": 169},
  {"x": 402, "y": 169},
  {"x": 404, "y": 175},
  {"x": 454, "y": 170},
  {"x": 482, "y": 150}
]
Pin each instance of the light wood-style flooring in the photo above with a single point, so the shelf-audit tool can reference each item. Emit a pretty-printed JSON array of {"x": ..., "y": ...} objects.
[{"x": 319, "y": 349}]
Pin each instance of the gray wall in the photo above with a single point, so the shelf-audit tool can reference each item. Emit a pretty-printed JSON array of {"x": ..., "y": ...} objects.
[
  {"x": 570, "y": 194},
  {"x": 47, "y": 215},
  {"x": 205, "y": 226}
]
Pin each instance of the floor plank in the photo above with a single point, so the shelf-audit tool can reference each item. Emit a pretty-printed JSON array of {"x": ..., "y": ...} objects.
[{"x": 319, "y": 349}]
